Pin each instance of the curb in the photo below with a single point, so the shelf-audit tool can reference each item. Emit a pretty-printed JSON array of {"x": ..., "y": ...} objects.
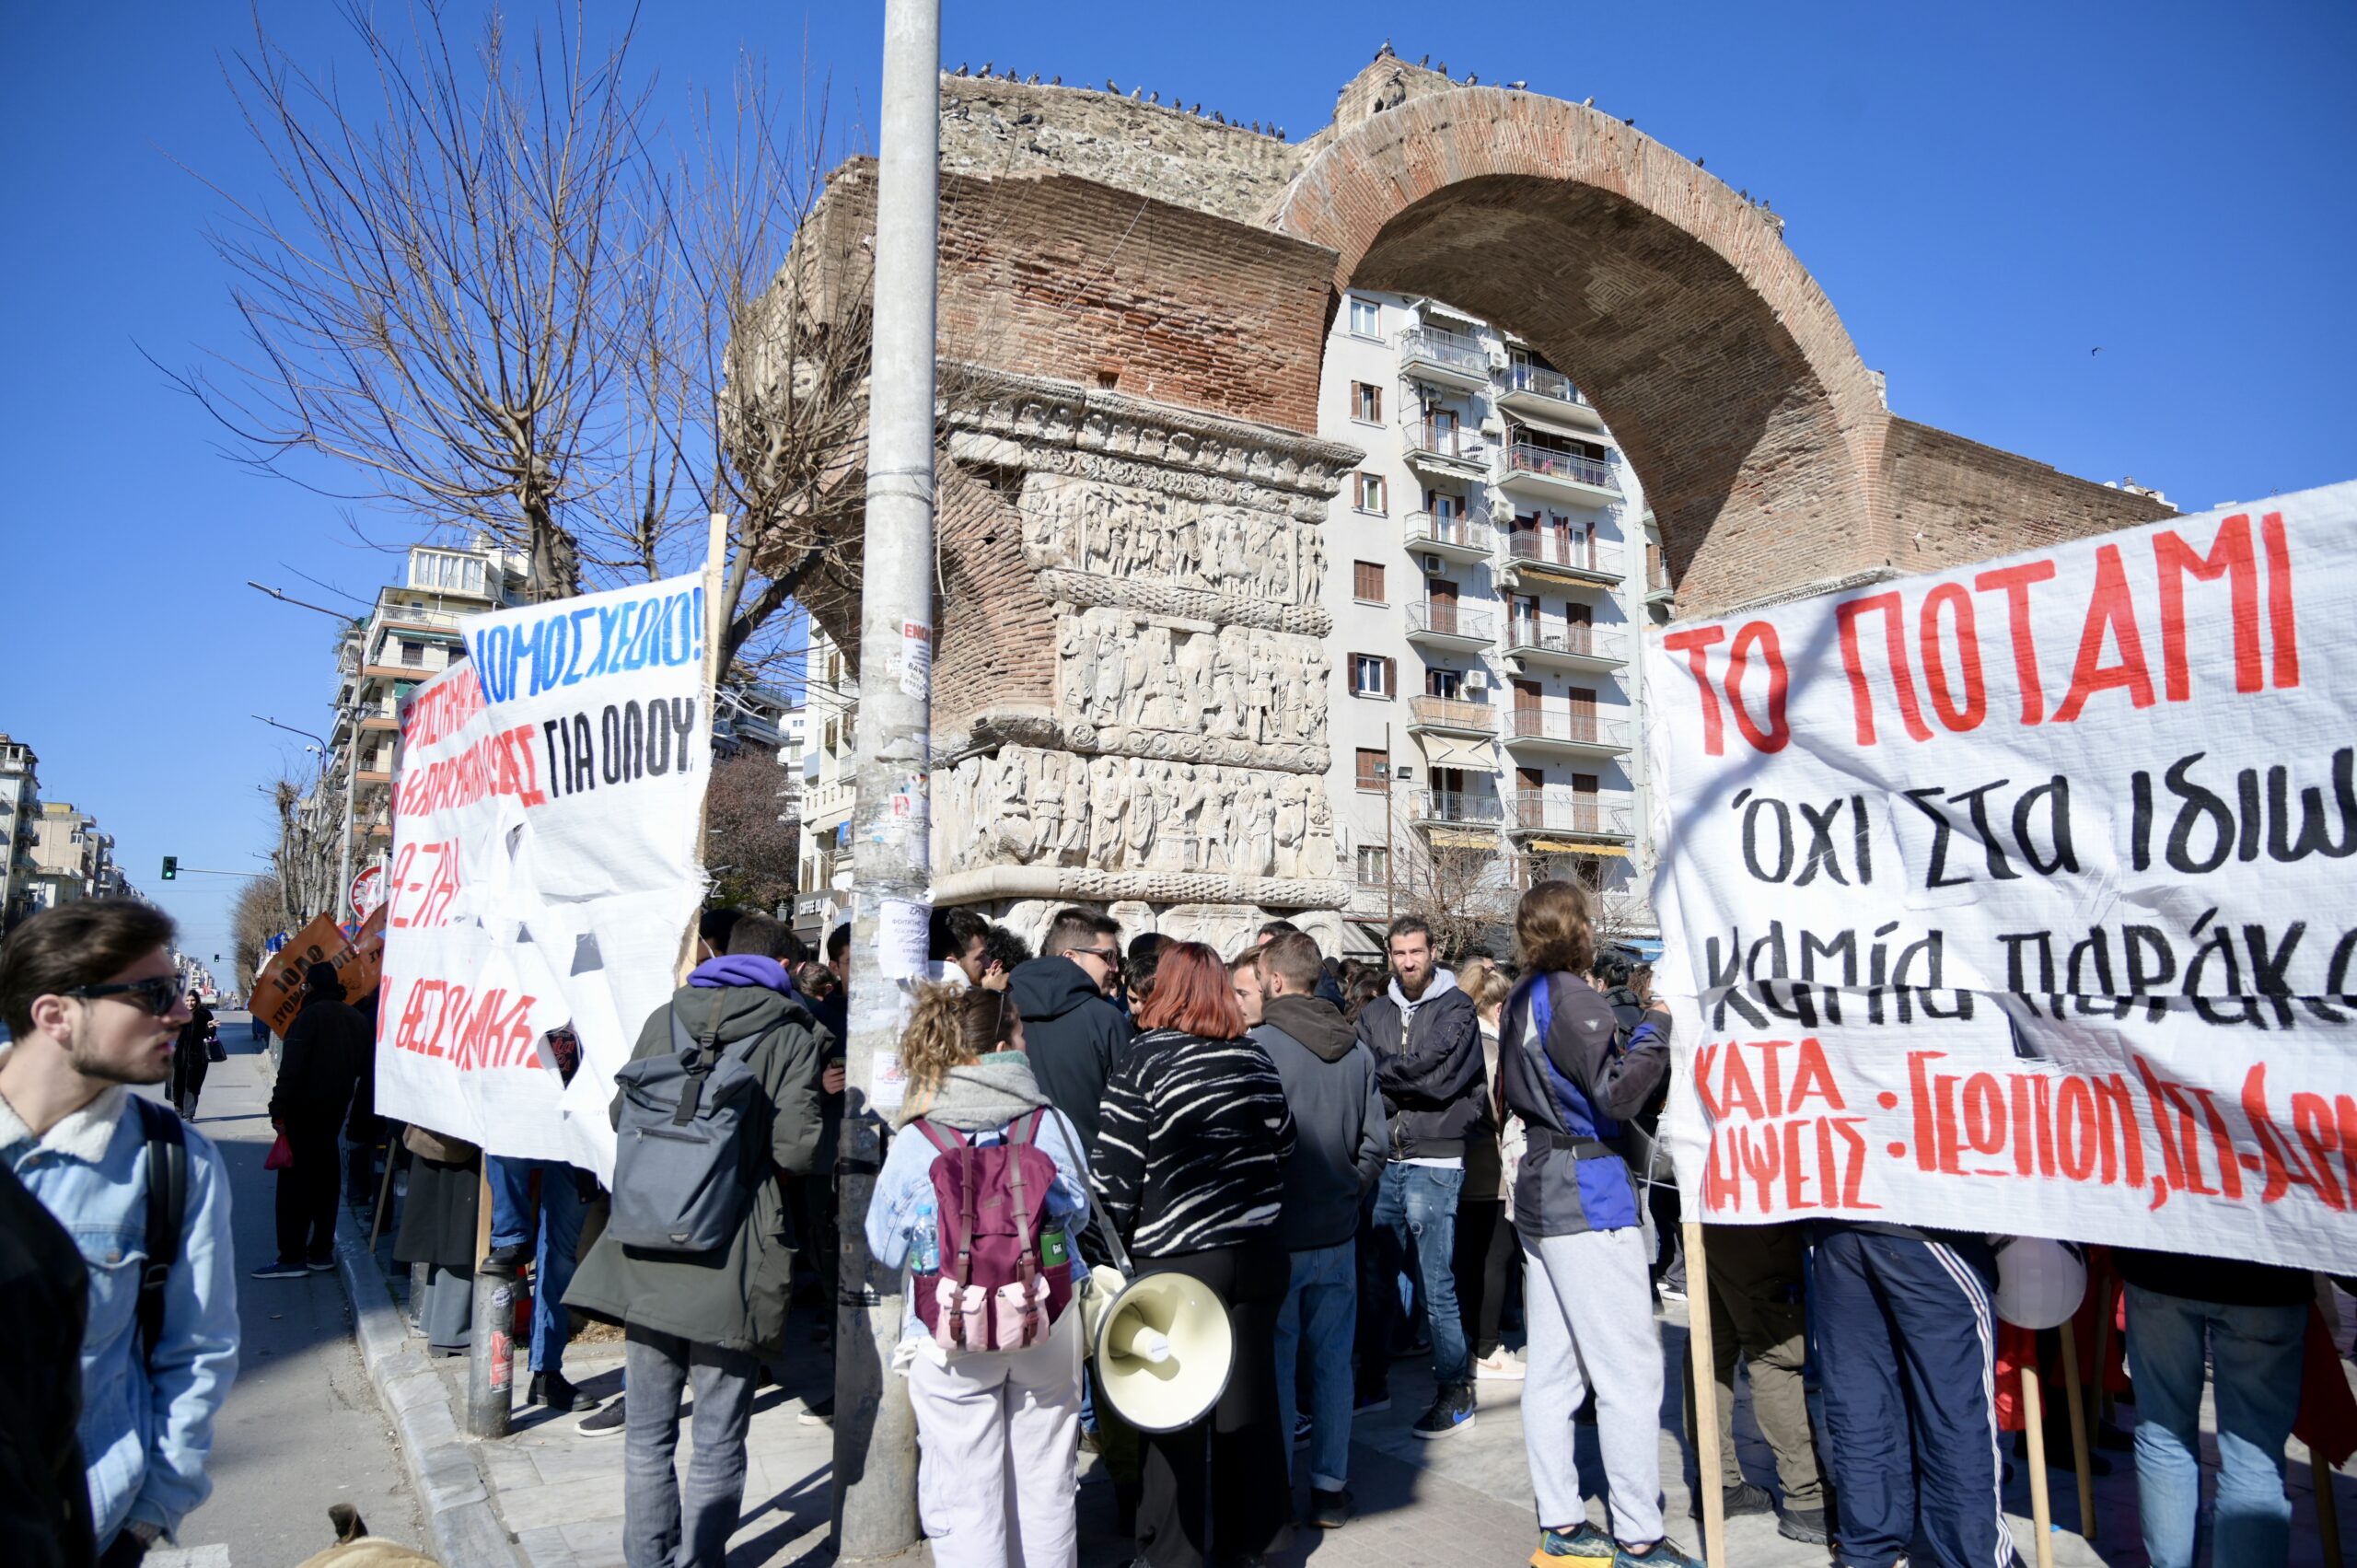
[{"x": 452, "y": 1488}]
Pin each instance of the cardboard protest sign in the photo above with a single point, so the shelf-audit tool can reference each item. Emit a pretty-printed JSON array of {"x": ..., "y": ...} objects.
[
  {"x": 2020, "y": 898},
  {"x": 278, "y": 989},
  {"x": 546, "y": 798}
]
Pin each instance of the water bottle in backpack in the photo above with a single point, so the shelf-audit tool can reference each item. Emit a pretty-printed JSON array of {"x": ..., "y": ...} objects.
[{"x": 1003, "y": 1274}]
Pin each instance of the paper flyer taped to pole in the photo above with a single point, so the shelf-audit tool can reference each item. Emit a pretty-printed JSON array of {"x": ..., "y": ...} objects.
[
  {"x": 546, "y": 800},
  {"x": 2022, "y": 896}
]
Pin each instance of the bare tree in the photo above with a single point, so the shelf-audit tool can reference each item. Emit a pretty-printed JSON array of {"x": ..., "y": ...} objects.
[
  {"x": 306, "y": 859},
  {"x": 754, "y": 851},
  {"x": 1458, "y": 881},
  {"x": 253, "y": 920},
  {"x": 441, "y": 292}
]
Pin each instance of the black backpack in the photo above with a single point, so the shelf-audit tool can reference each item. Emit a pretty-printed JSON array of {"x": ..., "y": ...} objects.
[{"x": 167, "y": 1216}]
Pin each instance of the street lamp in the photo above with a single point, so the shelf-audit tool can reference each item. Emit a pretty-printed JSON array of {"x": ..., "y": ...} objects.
[{"x": 290, "y": 729}]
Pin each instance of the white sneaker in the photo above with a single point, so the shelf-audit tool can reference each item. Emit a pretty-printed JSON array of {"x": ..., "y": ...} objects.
[{"x": 1502, "y": 1367}]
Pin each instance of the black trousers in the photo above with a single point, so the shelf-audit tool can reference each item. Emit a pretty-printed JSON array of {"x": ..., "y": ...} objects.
[
  {"x": 1245, "y": 1461},
  {"x": 1486, "y": 1255},
  {"x": 307, "y": 1190}
]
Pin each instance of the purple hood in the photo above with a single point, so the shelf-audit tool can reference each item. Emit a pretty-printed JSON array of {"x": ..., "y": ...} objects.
[{"x": 743, "y": 968}]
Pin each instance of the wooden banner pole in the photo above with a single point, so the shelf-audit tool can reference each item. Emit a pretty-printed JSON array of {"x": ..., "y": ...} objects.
[
  {"x": 2328, "y": 1509},
  {"x": 2041, "y": 1509},
  {"x": 1706, "y": 1397},
  {"x": 715, "y": 632},
  {"x": 2074, "y": 1399}
]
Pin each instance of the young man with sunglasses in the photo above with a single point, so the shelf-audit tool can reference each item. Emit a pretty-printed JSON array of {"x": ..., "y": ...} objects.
[{"x": 94, "y": 1002}]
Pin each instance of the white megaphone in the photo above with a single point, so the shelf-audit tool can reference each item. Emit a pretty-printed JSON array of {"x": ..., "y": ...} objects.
[
  {"x": 1163, "y": 1351},
  {"x": 2039, "y": 1282}
]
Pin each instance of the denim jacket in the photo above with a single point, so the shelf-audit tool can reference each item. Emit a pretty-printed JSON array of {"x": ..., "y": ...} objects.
[
  {"x": 146, "y": 1420},
  {"x": 903, "y": 1229}
]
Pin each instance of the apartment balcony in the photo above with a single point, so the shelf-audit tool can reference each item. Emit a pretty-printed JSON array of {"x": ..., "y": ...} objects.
[
  {"x": 1573, "y": 648},
  {"x": 1570, "y": 814},
  {"x": 1446, "y": 625},
  {"x": 1445, "y": 358},
  {"x": 1450, "y": 716},
  {"x": 1458, "y": 538},
  {"x": 1527, "y": 468},
  {"x": 1542, "y": 393},
  {"x": 1543, "y": 731},
  {"x": 1455, "y": 807},
  {"x": 1659, "y": 589},
  {"x": 1559, "y": 558},
  {"x": 1449, "y": 451}
]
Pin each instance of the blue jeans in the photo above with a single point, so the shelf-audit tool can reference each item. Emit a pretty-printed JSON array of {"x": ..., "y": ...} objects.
[
  {"x": 1322, "y": 1303},
  {"x": 1418, "y": 1202},
  {"x": 559, "y": 1238},
  {"x": 2256, "y": 1351}
]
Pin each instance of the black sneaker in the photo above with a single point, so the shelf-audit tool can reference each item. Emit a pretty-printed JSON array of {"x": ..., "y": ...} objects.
[
  {"x": 606, "y": 1423},
  {"x": 1745, "y": 1498},
  {"x": 1451, "y": 1413},
  {"x": 554, "y": 1390},
  {"x": 1804, "y": 1525},
  {"x": 281, "y": 1271},
  {"x": 1329, "y": 1510},
  {"x": 505, "y": 1260}
]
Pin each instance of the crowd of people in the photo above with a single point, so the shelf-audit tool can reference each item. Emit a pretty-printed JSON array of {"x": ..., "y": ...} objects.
[{"x": 1371, "y": 1165}]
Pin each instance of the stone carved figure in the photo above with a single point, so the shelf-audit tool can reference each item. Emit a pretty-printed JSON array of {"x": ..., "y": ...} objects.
[
  {"x": 1117, "y": 669},
  {"x": 1245, "y": 552}
]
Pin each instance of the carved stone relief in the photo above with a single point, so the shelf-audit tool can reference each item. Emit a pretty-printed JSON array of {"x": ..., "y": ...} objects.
[
  {"x": 1147, "y": 536},
  {"x": 1118, "y": 669},
  {"x": 1025, "y": 807}
]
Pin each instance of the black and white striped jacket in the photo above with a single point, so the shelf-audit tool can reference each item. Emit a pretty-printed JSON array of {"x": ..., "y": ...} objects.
[{"x": 1190, "y": 1143}]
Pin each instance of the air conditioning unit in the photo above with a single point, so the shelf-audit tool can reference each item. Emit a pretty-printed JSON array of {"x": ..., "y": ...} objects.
[
  {"x": 1432, "y": 562},
  {"x": 1476, "y": 681}
]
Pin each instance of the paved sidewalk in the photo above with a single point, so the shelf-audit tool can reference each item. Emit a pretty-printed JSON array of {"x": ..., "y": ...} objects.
[{"x": 1462, "y": 1501}]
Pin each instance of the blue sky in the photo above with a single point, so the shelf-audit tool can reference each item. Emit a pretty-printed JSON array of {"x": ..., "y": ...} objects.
[{"x": 1986, "y": 193}]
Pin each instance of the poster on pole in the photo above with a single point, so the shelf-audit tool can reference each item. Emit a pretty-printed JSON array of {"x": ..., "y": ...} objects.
[
  {"x": 2023, "y": 897},
  {"x": 546, "y": 802}
]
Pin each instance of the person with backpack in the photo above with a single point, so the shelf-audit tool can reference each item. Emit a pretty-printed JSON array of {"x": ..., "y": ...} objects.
[
  {"x": 1189, "y": 1167},
  {"x": 720, "y": 1097},
  {"x": 1587, "y": 1295},
  {"x": 977, "y": 1199},
  {"x": 93, "y": 1002}
]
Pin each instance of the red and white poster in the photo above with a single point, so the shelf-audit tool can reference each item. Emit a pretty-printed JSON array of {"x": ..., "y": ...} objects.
[
  {"x": 546, "y": 798},
  {"x": 2023, "y": 898}
]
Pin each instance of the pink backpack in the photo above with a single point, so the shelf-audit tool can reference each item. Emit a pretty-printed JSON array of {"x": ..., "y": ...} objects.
[{"x": 998, "y": 1287}]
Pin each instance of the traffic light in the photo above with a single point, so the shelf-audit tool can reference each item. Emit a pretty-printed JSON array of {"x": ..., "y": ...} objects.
[{"x": 171, "y": 868}]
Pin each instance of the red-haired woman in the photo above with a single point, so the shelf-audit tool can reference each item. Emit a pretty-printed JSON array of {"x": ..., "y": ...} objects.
[{"x": 1188, "y": 1165}]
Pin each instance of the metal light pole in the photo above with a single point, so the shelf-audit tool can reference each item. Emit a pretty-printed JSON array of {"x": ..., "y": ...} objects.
[{"x": 876, "y": 1514}]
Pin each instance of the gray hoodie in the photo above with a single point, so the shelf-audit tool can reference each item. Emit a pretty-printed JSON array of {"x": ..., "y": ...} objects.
[{"x": 1338, "y": 1120}]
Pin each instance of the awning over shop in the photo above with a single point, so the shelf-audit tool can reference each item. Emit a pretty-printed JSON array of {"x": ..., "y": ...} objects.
[{"x": 1557, "y": 846}]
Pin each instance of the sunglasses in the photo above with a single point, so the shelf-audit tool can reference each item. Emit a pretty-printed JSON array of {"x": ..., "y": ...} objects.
[{"x": 159, "y": 996}]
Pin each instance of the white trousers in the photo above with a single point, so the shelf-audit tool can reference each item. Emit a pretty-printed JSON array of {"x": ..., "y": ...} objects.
[
  {"x": 998, "y": 1435},
  {"x": 1590, "y": 1315}
]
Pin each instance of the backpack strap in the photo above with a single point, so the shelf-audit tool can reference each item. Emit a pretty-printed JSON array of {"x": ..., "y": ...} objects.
[
  {"x": 1019, "y": 1132},
  {"x": 167, "y": 1214},
  {"x": 697, "y": 1057}
]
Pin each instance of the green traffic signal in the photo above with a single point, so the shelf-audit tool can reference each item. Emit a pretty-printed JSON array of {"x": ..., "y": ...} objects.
[{"x": 171, "y": 867}]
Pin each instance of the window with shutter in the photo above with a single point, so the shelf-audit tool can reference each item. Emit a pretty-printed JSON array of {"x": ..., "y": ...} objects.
[
  {"x": 1366, "y": 581},
  {"x": 1366, "y": 402},
  {"x": 1370, "y": 769}
]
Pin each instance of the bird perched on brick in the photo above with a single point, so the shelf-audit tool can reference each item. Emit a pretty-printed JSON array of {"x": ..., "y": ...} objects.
[
  {"x": 1442, "y": 68},
  {"x": 1517, "y": 86},
  {"x": 1472, "y": 78},
  {"x": 1056, "y": 81},
  {"x": 1587, "y": 102},
  {"x": 1631, "y": 122},
  {"x": 1155, "y": 96},
  {"x": 1279, "y": 133},
  {"x": 1111, "y": 86},
  {"x": 1032, "y": 80},
  {"x": 987, "y": 64},
  {"x": 1698, "y": 163},
  {"x": 1197, "y": 109},
  {"x": 1218, "y": 118},
  {"x": 961, "y": 69},
  {"x": 1384, "y": 50}
]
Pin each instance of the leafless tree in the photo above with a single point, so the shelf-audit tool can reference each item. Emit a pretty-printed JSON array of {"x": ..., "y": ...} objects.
[
  {"x": 753, "y": 850},
  {"x": 307, "y": 861},
  {"x": 1455, "y": 881},
  {"x": 253, "y": 919},
  {"x": 440, "y": 291}
]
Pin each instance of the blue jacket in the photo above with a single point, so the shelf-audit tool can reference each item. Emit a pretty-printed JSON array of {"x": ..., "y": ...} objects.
[
  {"x": 1573, "y": 1083},
  {"x": 903, "y": 1230},
  {"x": 146, "y": 1420}
]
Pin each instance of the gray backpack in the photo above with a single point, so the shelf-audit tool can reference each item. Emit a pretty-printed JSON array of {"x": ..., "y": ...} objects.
[{"x": 681, "y": 1176}]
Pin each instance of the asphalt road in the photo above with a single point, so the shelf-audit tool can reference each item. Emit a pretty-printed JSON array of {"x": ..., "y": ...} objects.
[{"x": 303, "y": 1427}]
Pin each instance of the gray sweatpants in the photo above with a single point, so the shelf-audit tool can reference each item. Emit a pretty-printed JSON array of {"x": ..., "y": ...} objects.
[{"x": 1591, "y": 1320}]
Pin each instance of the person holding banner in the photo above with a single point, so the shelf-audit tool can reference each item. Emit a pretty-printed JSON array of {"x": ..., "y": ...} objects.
[
  {"x": 1587, "y": 1294},
  {"x": 325, "y": 1049}
]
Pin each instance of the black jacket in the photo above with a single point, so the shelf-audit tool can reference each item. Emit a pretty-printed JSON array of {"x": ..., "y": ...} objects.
[
  {"x": 44, "y": 1495},
  {"x": 1431, "y": 1071},
  {"x": 1074, "y": 1037},
  {"x": 319, "y": 1065},
  {"x": 1338, "y": 1120}
]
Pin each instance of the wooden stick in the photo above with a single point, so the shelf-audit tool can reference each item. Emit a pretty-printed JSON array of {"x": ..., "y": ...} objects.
[
  {"x": 2042, "y": 1510},
  {"x": 2075, "y": 1401},
  {"x": 2328, "y": 1509},
  {"x": 483, "y": 1208},
  {"x": 383, "y": 1198},
  {"x": 1706, "y": 1397},
  {"x": 715, "y": 628}
]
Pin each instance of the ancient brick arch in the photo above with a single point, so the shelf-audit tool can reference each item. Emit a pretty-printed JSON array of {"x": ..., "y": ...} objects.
[{"x": 1719, "y": 363}]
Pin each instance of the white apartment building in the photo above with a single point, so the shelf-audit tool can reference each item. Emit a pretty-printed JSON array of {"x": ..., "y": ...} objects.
[
  {"x": 19, "y": 829},
  {"x": 1489, "y": 568},
  {"x": 829, "y": 787}
]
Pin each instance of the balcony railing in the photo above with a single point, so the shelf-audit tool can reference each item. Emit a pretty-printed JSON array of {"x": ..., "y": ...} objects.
[
  {"x": 1459, "y": 532},
  {"x": 1446, "y": 617},
  {"x": 1572, "y": 728},
  {"x": 1452, "y": 713},
  {"x": 1457, "y": 805},
  {"x": 1524, "y": 457},
  {"x": 1571, "y": 639},
  {"x": 1454, "y": 350},
  {"x": 1438, "y": 438},
  {"x": 1562, "y": 810},
  {"x": 1538, "y": 380},
  {"x": 1543, "y": 547}
]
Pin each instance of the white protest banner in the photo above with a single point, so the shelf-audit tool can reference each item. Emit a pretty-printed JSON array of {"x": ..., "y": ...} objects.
[
  {"x": 545, "y": 807},
  {"x": 2020, "y": 897}
]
